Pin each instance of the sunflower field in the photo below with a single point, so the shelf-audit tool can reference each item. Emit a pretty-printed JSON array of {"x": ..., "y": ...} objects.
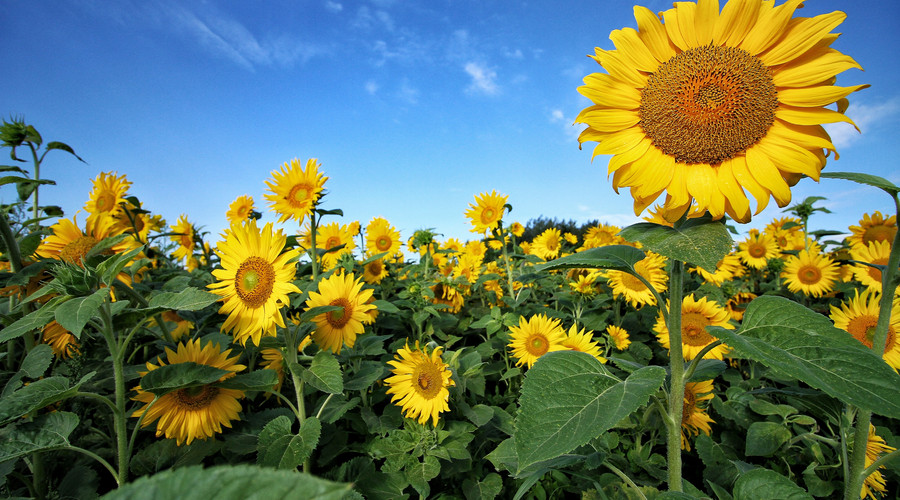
[{"x": 698, "y": 354}]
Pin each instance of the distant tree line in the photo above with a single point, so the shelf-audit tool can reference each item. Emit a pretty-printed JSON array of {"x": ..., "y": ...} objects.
[{"x": 535, "y": 227}]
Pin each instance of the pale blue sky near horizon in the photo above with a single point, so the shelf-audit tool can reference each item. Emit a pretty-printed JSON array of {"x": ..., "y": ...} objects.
[{"x": 412, "y": 108}]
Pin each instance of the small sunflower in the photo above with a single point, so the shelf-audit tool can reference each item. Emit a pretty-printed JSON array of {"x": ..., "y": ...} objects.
[
  {"x": 876, "y": 252},
  {"x": 486, "y": 212},
  {"x": 874, "y": 227},
  {"x": 652, "y": 268},
  {"x": 337, "y": 328},
  {"x": 331, "y": 236},
  {"x": 737, "y": 305},
  {"x": 619, "y": 336},
  {"x": 448, "y": 295},
  {"x": 757, "y": 249},
  {"x": 295, "y": 190},
  {"x": 182, "y": 326},
  {"x": 273, "y": 359},
  {"x": 63, "y": 343},
  {"x": 419, "y": 384},
  {"x": 547, "y": 244},
  {"x": 535, "y": 337},
  {"x": 582, "y": 341},
  {"x": 809, "y": 272},
  {"x": 858, "y": 316},
  {"x": 703, "y": 105},
  {"x": 183, "y": 234},
  {"x": 374, "y": 271},
  {"x": 694, "y": 418},
  {"x": 108, "y": 193},
  {"x": 195, "y": 412},
  {"x": 875, "y": 482},
  {"x": 70, "y": 244},
  {"x": 696, "y": 315},
  {"x": 517, "y": 229},
  {"x": 240, "y": 209},
  {"x": 382, "y": 237},
  {"x": 725, "y": 270},
  {"x": 254, "y": 280},
  {"x": 585, "y": 284},
  {"x": 602, "y": 235}
]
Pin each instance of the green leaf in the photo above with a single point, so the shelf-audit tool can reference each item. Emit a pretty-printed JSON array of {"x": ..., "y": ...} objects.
[
  {"x": 867, "y": 179},
  {"x": 37, "y": 361},
  {"x": 368, "y": 373},
  {"x": 279, "y": 447},
  {"x": 764, "y": 484},
  {"x": 63, "y": 147},
  {"x": 189, "y": 299},
  {"x": 111, "y": 267},
  {"x": 33, "y": 320},
  {"x": 701, "y": 241},
  {"x": 419, "y": 473},
  {"x": 229, "y": 482},
  {"x": 37, "y": 395},
  {"x": 802, "y": 344},
  {"x": 259, "y": 380},
  {"x": 167, "y": 454},
  {"x": 708, "y": 369},
  {"x": 46, "y": 432},
  {"x": 74, "y": 314},
  {"x": 486, "y": 489},
  {"x": 504, "y": 456},
  {"x": 386, "y": 307},
  {"x": 168, "y": 378},
  {"x": 324, "y": 373},
  {"x": 312, "y": 312},
  {"x": 765, "y": 438},
  {"x": 569, "y": 398},
  {"x": 617, "y": 257}
]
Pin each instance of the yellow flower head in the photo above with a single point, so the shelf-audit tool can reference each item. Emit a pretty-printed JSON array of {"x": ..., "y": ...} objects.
[
  {"x": 875, "y": 227},
  {"x": 696, "y": 315},
  {"x": 810, "y": 272},
  {"x": 874, "y": 483},
  {"x": 738, "y": 304},
  {"x": 382, "y": 237},
  {"x": 694, "y": 418},
  {"x": 652, "y": 269},
  {"x": 63, "y": 343},
  {"x": 70, "y": 244},
  {"x": 582, "y": 341},
  {"x": 619, "y": 336},
  {"x": 876, "y": 252},
  {"x": 419, "y": 384},
  {"x": 486, "y": 212},
  {"x": 295, "y": 190},
  {"x": 517, "y": 229},
  {"x": 547, "y": 244},
  {"x": 585, "y": 284},
  {"x": 702, "y": 105},
  {"x": 107, "y": 195},
  {"x": 374, "y": 271},
  {"x": 183, "y": 234},
  {"x": 240, "y": 209},
  {"x": 447, "y": 295},
  {"x": 331, "y": 236},
  {"x": 858, "y": 317},
  {"x": 725, "y": 270},
  {"x": 757, "y": 249},
  {"x": 602, "y": 235},
  {"x": 535, "y": 337},
  {"x": 335, "y": 329}
]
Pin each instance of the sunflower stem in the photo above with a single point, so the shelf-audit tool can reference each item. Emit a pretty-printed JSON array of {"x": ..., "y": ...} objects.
[
  {"x": 313, "y": 251},
  {"x": 676, "y": 368},
  {"x": 118, "y": 356},
  {"x": 624, "y": 477},
  {"x": 699, "y": 357}
]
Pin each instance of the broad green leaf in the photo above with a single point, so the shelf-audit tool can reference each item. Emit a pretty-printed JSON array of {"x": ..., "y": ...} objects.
[
  {"x": 617, "y": 257},
  {"x": 765, "y": 438},
  {"x": 419, "y": 473},
  {"x": 708, "y": 369},
  {"x": 386, "y": 307},
  {"x": 312, "y": 312},
  {"x": 717, "y": 466},
  {"x": 486, "y": 489},
  {"x": 105, "y": 245},
  {"x": 46, "y": 432},
  {"x": 324, "y": 373},
  {"x": 569, "y": 398},
  {"x": 868, "y": 179},
  {"x": 111, "y": 267},
  {"x": 189, "y": 299},
  {"x": 702, "y": 242},
  {"x": 368, "y": 373},
  {"x": 279, "y": 447},
  {"x": 167, "y": 454},
  {"x": 168, "y": 378},
  {"x": 32, "y": 321},
  {"x": 802, "y": 344},
  {"x": 258, "y": 380},
  {"x": 504, "y": 456},
  {"x": 62, "y": 147},
  {"x": 229, "y": 482},
  {"x": 37, "y": 395},
  {"x": 765, "y": 484},
  {"x": 74, "y": 314},
  {"x": 37, "y": 361}
]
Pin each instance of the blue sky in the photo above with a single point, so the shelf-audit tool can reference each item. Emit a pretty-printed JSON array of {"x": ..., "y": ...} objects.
[{"x": 412, "y": 108}]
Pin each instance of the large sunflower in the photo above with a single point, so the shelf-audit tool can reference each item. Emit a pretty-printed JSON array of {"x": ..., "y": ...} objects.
[
  {"x": 810, "y": 272},
  {"x": 295, "y": 190},
  {"x": 486, "y": 212},
  {"x": 70, "y": 244},
  {"x": 875, "y": 227},
  {"x": 652, "y": 268},
  {"x": 419, "y": 384},
  {"x": 382, "y": 237},
  {"x": 108, "y": 192},
  {"x": 858, "y": 317},
  {"x": 337, "y": 328},
  {"x": 254, "y": 281},
  {"x": 875, "y": 482},
  {"x": 535, "y": 337},
  {"x": 702, "y": 104},
  {"x": 196, "y": 412},
  {"x": 240, "y": 209},
  {"x": 757, "y": 249},
  {"x": 694, "y": 418},
  {"x": 696, "y": 315},
  {"x": 876, "y": 252}
]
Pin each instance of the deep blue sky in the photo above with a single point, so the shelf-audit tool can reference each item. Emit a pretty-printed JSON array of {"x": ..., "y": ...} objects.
[{"x": 412, "y": 108}]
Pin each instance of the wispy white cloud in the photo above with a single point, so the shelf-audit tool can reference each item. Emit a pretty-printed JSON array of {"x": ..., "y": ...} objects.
[
  {"x": 867, "y": 117},
  {"x": 371, "y": 87},
  {"x": 333, "y": 6},
  {"x": 571, "y": 131},
  {"x": 367, "y": 19},
  {"x": 408, "y": 93},
  {"x": 484, "y": 79}
]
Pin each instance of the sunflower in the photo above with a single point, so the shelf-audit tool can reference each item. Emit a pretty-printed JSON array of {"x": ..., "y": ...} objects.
[
  {"x": 547, "y": 244},
  {"x": 273, "y": 360},
  {"x": 694, "y": 418},
  {"x": 447, "y": 295},
  {"x": 195, "y": 412},
  {"x": 468, "y": 267},
  {"x": 871, "y": 228},
  {"x": 517, "y": 229},
  {"x": 486, "y": 212},
  {"x": 535, "y": 337},
  {"x": 812, "y": 273},
  {"x": 183, "y": 234},
  {"x": 240, "y": 209},
  {"x": 757, "y": 249},
  {"x": 619, "y": 336},
  {"x": 108, "y": 193},
  {"x": 330, "y": 236},
  {"x": 70, "y": 244},
  {"x": 63, "y": 343},
  {"x": 295, "y": 190},
  {"x": 876, "y": 252},
  {"x": 652, "y": 269},
  {"x": 182, "y": 326},
  {"x": 585, "y": 284},
  {"x": 582, "y": 341},
  {"x": 696, "y": 315},
  {"x": 725, "y": 270},
  {"x": 419, "y": 384},
  {"x": 337, "y": 328},
  {"x": 254, "y": 280},
  {"x": 874, "y": 483},
  {"x": 703, "y": 105},
  {"x": 381, "y": 237},
  {"x": 139, "y": 222},
  {"x": 374, "y": 271},
  {"x": 858, "y": 317},
  {"x": 738, "y": 304},
  {"x": 602, "y": 235}
]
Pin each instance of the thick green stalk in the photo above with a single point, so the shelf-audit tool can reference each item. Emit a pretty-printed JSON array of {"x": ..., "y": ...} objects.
[
  {"x": 676, "y": 368},
  {"x": 117, "y": 353},
  {"x": 37, "y": 177},
  {"x": 314, "y": 252}
]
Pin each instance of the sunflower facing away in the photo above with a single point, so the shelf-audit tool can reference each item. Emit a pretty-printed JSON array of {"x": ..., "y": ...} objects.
[
  {"x": 702, "y": 105},
  {"x": 419, "y": 384},
  {"x": 810, "y": 272},
  {"x": 295, "y": 190},
  {"x": 240, "y": 209},
  {"x": 694, "y": 418},
  {"x": 652, "y": 268},
  {"x": 62, "y": 342},
  {"x": 619, "y": 336},
  {"x": 875, "y": 448},
  {"x": 875, "y": 227},
  {"x": 582, "y": 341},
  {"x": 535, "y": 337},
  {"x": 858, "y": 317},
  {"x": 696, "y": 315},
  {"x": 337, "y": 328},
  {"x": 254, "y": 280},
  {"x": 108, "y": 192},
  {"x": 183, "y": 234},
  {"x": 486, "y": 212},
  {"x": 382, "y": 237},
  {"x": 196, "y": 412},
  {"x": 757, "y": 249}
]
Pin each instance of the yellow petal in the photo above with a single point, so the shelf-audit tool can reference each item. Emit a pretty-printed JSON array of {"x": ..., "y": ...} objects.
[
  {"x": 810, "y": 116},
  {"x": 673, "y": 30},
  {"x": 653, "y": 34},
  {"x": 820, "y": 95},
  {"x": 641, "y": 204},
  {"x": 656, "y": 176},
  {"x": 619, "y": 160},
  {"x": 608, "y": 120},
  {"x": 812, "y": 68},
  {"x": 801, "y": 35},
  {"x": 705, "y": 20},
  {"x": 604, "y": 90},
  {"x": 617, "y": 142},
  {"x": 767, "y": 175},
  {"x": 629, "y": 44},
  {"x": 736, "y": 199},
  {"x": 809, "y": 136},
  {"x": 735, "y": 21},
  {"x": 701, "y": 181},
  {"x": 745, "y": 178},
  {"x": 619, "y": 68},
  {"x": 789, "y": 157},
  {"x": 678, "y": 186},
  {"x": 769, "y": 26}
]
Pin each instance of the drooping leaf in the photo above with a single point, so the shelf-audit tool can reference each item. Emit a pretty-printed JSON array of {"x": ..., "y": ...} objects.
[
  {"x": 368, "y": 373},
  {"x": 46, "y": 432},
  {"x": 867, "y": 179},
  {"x": 189, "y": 299},
  {"x": 569, "y": 398},
  {"x": 324, "y": 373},
  {"x": 33, "y": 366},
  {"x": 386, "y": 307},
  {"x": 257, "y": 380},
  {"x": 37, "y": 395},
  {"x": 765, "y": 484},
  {"x": 800, "y": 343},
  {"x": 616, "y": 257},
  {"x": 75, "y": 313},
  {"x": 168, "y": 378},
  {"x": 111, "y": 267},
  {"x": 486, "y": 489},
  {"x": 701, "y": 241},
  {"x": 419, "y": 473},
  {"x": 32, "y": 321},
  {"x": 63, "y": 147},
  {"x": 279, "y": 447}
]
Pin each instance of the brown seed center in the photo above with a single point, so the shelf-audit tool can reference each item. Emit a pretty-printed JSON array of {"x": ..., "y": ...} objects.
[{"x": 254, "y": 281}]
